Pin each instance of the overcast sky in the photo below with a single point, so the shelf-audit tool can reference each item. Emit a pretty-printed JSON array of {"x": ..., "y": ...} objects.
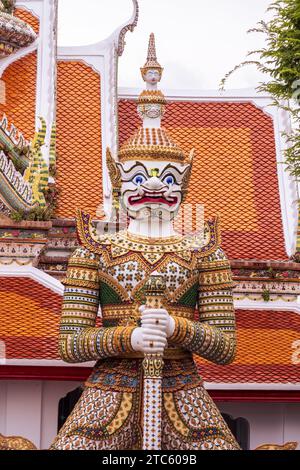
[{"x": 197, "y": 41}]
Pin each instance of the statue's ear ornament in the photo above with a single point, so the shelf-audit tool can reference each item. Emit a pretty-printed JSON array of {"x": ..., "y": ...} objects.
[
  {"x": 187, "y": 174},
  {"x": 113, "y": 171},
  {"x": 190, "y": 157},
  {"x": 115, "y": 177}
]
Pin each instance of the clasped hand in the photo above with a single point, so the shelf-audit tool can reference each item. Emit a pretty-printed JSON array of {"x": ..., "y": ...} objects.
[{"x": 157, "y": 327}]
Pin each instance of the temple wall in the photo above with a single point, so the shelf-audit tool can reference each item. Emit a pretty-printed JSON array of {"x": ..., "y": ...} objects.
[
  {"x": 30, "y": 409},
  {"x": 270, "y": 423}
]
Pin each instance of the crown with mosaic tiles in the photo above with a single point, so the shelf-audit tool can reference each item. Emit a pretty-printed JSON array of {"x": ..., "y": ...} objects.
[{"x": 151, "y": 144}]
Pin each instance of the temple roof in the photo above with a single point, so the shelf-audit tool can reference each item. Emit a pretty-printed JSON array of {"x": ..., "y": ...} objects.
[
  {"x": 234, "y": 170},
  {"x": 31, "y": 328},
  {"x": 79, "y": 166},
  {"x": 267, "y": 343}
]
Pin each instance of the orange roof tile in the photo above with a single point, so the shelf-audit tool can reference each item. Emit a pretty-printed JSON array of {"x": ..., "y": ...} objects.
[
  {"x": 20, "y": 86},
  {"x": 30, "y": 330},
  {"x": 267, "y": 351},
  {"x": 79, "y": 164},
  {"x": 29, "y": 18},
  {"x": 234, "y": 172}
]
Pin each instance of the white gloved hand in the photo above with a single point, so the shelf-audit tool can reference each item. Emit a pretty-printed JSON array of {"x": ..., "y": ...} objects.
[
  {"x": 151, "y": 337},
  {"x": 151, "y": 315}
]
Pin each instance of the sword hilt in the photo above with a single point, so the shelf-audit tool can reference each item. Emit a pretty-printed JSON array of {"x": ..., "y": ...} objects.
[{"x": 154, "y": 290}]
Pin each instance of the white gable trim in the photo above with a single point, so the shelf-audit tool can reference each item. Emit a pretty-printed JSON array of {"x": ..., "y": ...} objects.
[
  {"x": 35, "y": 274},
  {"x": 246, "y": 304}
]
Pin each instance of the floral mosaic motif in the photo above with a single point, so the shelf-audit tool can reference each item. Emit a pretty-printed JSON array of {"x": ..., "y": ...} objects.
[
  {"x": 100, "y": 420},
  {"x": 127, "y": 274},
  {"x": 192, "y": 421}
]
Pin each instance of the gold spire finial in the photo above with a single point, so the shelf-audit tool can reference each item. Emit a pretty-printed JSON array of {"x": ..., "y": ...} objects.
[
  {"x": 151, "y": 57},
  {"x": 151, "y": 62}
]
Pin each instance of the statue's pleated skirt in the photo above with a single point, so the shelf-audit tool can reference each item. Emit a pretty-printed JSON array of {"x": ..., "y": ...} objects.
[{"x": 109, "y": 413}]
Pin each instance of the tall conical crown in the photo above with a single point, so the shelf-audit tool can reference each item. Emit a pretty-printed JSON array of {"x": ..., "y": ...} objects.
[
  {"x": 151, "y": 62},
  {"x": 151, "y": 141}
]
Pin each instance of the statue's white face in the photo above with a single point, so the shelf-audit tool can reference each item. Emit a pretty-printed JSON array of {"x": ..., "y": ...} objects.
[
  {"x": 152, "y": 189},
  {"x": 152, "y": 76}
]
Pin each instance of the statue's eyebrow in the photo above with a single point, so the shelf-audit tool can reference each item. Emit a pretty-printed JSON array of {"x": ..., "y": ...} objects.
[
  {"x": 174, "y": 168},
  {"x": 136, "y": 166}
]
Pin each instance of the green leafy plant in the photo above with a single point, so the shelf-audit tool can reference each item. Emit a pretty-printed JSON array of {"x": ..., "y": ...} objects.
[
  {"x": 39, "y": 213},
  {"x": 8, "y": 6},
  {"x": 280, "y": 60},
  {"x": 266, "y": 295},
  {"x": 17, "y": 216},
  {"x": 272, "y": 273}
]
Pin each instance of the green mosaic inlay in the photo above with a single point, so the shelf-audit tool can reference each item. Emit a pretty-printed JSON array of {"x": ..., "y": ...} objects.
[
  {"x": 189, "y": 298},
  {"x": 108, "y": 295}
]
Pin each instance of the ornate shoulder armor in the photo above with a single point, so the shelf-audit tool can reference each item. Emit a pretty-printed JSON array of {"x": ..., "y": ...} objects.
[
  {"x": 88, "y": 236},
  {"x": 207, "y": 241}
]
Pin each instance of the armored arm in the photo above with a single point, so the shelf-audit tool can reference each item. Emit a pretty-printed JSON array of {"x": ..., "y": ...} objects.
[
  {"x": 79, "y": 339},
  {"x": 213, "y": 336}
]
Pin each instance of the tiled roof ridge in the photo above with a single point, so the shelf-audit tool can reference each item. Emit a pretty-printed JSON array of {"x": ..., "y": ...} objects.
[
  {"x": 13, "y": 134},
  {"x": 19, "y": 187}
]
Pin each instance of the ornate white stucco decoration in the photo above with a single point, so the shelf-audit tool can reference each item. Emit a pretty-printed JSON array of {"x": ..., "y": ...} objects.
[
  {"x": 127, "y": 27},
  {"x": 14, "y": 32},
  {"x": 151, "y": 111}
]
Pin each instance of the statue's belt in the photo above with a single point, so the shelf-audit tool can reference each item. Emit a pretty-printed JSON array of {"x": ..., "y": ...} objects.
[
  {"x": 124, "y": 313},
  {"x": 169, "y": 353}
]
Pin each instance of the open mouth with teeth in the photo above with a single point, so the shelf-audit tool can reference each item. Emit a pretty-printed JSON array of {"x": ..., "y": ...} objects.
[{"x": 152, "y": 198}]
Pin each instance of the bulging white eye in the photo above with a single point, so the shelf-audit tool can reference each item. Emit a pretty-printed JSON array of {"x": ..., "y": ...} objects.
[
  {"x": 138, "y": 180},
  {"x": 169, "y": 179}
]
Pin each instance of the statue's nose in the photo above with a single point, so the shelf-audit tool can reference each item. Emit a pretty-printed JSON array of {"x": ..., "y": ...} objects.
[{"x": 154, "y": 183}]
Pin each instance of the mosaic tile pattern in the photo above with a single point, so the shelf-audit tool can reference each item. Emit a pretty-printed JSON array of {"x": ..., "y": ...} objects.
[{"x": 79, "y": 160}]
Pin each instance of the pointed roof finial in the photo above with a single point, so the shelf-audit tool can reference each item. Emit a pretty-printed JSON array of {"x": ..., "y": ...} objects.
[
  {"x": 151, "y": 57},
  {"x": 151, "y": 62}
]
